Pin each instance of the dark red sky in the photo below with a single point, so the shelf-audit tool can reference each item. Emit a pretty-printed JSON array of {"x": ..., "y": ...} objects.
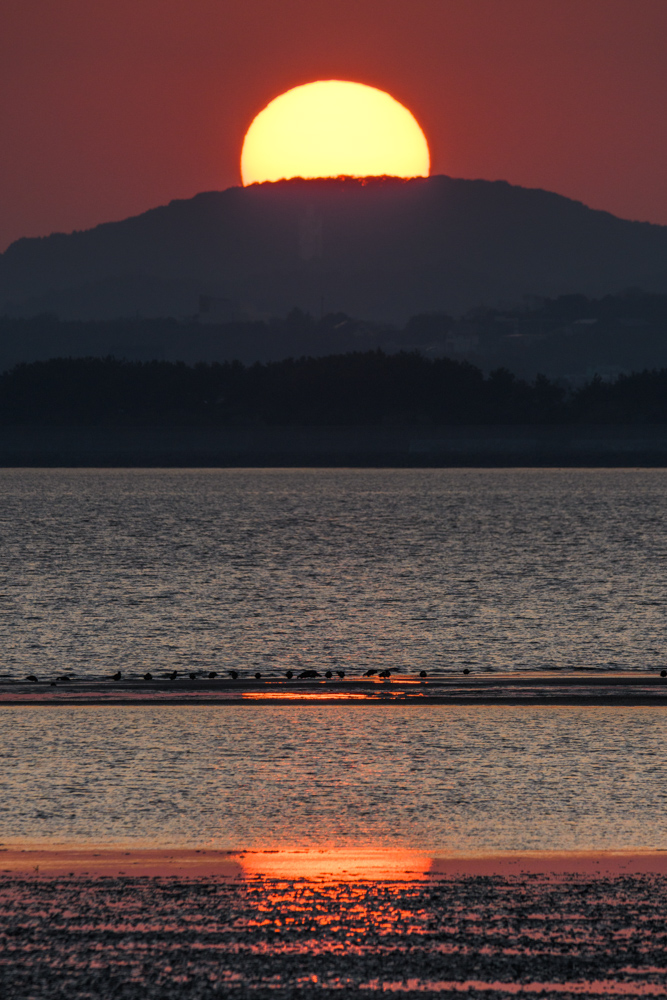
[{"x": 109, "y": 107}]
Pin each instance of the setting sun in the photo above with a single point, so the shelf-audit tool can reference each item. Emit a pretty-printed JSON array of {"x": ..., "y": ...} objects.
[{"x": 333, "y": 128}]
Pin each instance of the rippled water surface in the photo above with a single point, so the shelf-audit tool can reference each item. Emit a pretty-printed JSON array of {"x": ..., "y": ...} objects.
[
  {"x": 269, "y": 569},
  {"x": 432, "y": 778}
]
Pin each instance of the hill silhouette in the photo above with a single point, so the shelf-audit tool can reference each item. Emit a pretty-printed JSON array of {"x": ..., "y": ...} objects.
[{"x": 379, "y": 249}]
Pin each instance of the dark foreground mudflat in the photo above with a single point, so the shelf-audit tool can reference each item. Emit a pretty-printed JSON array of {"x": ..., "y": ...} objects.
[{"x": 175, "y": 939}]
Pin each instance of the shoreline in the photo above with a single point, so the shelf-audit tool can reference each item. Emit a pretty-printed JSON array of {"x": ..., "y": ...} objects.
[
  {"x": 90, "y": 862},
  {"x": 399, "y": 445},
  {"x": 582, "y": 702}
]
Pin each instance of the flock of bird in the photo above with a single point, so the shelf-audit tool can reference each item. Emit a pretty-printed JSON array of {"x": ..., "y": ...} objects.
[
  {"x": 234, "y": 674},
  {"x": 289, "y": 674}
]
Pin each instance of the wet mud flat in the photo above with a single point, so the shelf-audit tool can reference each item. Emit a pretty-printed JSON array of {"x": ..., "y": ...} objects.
[{"x": 491, "y": 936}]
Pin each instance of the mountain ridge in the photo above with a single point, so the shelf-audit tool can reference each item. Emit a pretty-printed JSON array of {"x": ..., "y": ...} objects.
[{"x": 380, "y": 249}]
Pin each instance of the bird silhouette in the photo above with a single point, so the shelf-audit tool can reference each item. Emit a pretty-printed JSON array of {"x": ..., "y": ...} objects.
[
  {"x": 148, "y": 676},
  {"x": 258, "y": 676},
  {"x": 289, "y": 675},
  {"x": 466, "y": 670},
  {"x": 117, "y": 676},
  {"x": 341, "y": 673},
  {"x": 193, "y": 676},
  {"x": 233, "y": 674},
  {"x": 64, "y": 678},
  {"x": 32, "y": 679},
  {"x": 173, "y": 675},
  {"x": 306, "y": 674},
  {"x": 212, "y": 674},
  {"x": 328, "y": 675},
  {"x": 663, "y": 673},
  {"x": 422, "y": 673},
  {"x": 369, "y": 673}
]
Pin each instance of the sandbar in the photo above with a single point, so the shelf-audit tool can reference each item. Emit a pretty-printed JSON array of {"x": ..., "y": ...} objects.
[{"x": 640, "y": 688}]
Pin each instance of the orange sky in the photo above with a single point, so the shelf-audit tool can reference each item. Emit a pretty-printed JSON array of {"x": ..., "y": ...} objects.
[{"x": 111, "y": 107}]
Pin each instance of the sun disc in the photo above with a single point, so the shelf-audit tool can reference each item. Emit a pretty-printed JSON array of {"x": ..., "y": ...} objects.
[{"x": 333, "y": 128}]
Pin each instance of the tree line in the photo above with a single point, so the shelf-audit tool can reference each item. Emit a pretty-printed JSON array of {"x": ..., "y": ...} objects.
[{"x": 369, "y": 387}]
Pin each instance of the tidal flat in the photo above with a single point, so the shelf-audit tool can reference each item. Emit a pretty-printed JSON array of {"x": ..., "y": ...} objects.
[{"x": 573, "y": 935}]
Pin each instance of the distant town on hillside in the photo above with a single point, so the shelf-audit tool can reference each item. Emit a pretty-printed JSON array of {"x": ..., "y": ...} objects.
[{"x": 570, "y": 339}]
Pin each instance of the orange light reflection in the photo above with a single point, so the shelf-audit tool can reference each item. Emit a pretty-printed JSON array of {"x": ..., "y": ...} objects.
[
  {"x": 336, "y": 866},
  {"x": 327, "y": 694}
]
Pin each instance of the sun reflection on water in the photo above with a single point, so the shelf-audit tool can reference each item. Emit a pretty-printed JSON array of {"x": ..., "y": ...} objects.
[{"x": 336, "y": 865}]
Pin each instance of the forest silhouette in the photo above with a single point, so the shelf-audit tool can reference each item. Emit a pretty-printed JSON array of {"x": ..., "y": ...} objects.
[{"x": 359, "y": 388}]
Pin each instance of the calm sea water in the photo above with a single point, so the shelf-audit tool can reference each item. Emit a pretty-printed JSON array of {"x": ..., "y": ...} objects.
[
  {"x": 269, "y": 569},
  {"x": 430, "y": 778}
]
